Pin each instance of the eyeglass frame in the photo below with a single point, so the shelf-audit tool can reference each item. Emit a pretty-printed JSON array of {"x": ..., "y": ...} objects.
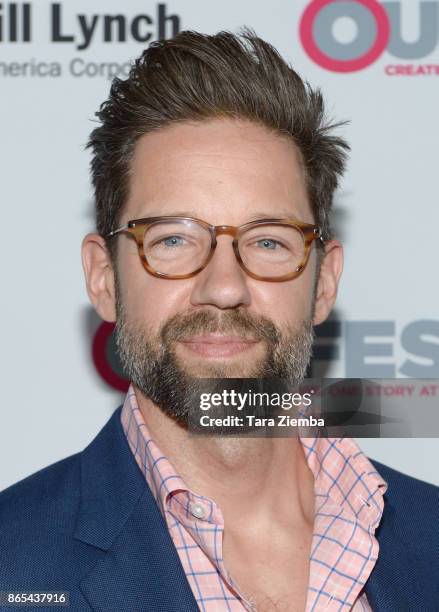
[{"x": 138, "y": 227}]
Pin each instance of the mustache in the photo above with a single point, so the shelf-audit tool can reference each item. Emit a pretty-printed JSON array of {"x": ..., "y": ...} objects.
[{"x": 234, "y": 322}]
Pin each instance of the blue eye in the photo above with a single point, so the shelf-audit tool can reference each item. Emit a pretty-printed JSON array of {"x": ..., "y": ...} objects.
[
  {"x": 269, "y": 243},
  {"x": 172, "y": 241}
]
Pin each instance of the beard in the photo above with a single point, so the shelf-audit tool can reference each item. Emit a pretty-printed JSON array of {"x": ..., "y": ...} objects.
[{"x": 150, "y": 361}]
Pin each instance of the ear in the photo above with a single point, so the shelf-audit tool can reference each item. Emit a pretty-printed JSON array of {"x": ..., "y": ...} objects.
[
  {"x": 99, "y": 276},
  {"x": 329, "y": 277}
]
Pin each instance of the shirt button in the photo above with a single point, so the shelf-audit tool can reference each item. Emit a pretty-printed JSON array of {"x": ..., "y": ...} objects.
[{"x": 198, "y": 511}]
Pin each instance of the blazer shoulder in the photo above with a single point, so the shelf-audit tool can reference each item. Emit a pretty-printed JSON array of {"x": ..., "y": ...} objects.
[
  {"x": 411, "y": 513},
  {"x": 34, "y": 495},
  {"x": 401, "y": 484},
  {"x": 57, "y": 487},
  {"x": 40, "y": 514}
]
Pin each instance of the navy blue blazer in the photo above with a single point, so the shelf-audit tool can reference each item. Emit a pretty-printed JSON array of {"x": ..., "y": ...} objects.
[{"x": 89, "y": 525}]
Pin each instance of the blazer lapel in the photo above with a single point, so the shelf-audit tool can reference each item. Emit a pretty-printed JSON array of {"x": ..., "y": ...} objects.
[
  {"x": 140, "y": 569},
  {"x": 394, "y": 580}
]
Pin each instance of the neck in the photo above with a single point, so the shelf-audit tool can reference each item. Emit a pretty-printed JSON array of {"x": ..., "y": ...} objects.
[{"x": 253, "y": 480}]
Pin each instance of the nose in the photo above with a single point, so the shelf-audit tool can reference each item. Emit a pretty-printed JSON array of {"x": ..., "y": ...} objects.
[{"x": 222, "y": 283}]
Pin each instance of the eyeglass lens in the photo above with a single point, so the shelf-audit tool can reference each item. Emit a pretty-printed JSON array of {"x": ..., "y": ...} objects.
[{"x": 181, "y": 247}]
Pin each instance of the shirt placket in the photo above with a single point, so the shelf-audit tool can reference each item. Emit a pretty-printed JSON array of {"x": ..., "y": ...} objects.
[{"x": 195, "y": 511}]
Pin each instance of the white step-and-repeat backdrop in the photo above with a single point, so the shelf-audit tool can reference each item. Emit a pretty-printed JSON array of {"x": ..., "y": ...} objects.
[{"x": 377, "y": 63}]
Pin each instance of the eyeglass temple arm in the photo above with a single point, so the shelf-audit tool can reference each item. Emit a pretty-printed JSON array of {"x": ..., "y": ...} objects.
[
  {"x": 318, "y": 234},
  {"x": 119, "y": 230}
]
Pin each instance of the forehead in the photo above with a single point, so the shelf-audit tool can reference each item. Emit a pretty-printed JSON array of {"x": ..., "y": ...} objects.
[{"x": 216, "y": 169}]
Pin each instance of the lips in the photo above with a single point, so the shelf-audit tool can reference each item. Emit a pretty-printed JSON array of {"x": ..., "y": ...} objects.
[{"x": 218, "y": 345}]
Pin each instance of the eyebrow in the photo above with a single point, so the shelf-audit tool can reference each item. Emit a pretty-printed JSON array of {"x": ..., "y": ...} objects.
[
  {"x": 253, "y": 217},
  {"x": 265, "y": 215}
]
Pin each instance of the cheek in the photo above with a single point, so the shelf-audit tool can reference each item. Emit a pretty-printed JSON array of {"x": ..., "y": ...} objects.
[
  {"x": 287, "y": 302},
  {"x": 148, "y": 299},
  {"x": 153, "y": 300}
]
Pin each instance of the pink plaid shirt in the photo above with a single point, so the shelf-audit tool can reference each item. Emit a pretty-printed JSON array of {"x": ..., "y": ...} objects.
[{"x": 348, "y": 508}]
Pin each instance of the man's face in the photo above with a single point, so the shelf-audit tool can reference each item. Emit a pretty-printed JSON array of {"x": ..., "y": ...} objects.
[{"x": 221, "y": 322}]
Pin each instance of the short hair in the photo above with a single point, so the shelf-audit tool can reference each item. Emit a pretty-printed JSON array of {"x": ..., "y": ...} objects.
[{"x": 196, "y": 77}]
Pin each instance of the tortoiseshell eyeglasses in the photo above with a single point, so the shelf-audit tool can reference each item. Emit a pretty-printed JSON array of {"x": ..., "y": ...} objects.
[{"x": 180, "y": 247}]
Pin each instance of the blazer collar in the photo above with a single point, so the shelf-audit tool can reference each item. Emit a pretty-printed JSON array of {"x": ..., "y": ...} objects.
[{"x": 140, "y": 568}]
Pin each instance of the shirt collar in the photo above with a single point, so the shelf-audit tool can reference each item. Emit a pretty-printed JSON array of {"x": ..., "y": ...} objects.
[{"x": 343, "y": 474}]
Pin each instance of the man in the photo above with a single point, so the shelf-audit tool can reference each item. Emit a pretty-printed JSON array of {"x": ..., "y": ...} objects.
[{"x": 210, "y": 134}]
